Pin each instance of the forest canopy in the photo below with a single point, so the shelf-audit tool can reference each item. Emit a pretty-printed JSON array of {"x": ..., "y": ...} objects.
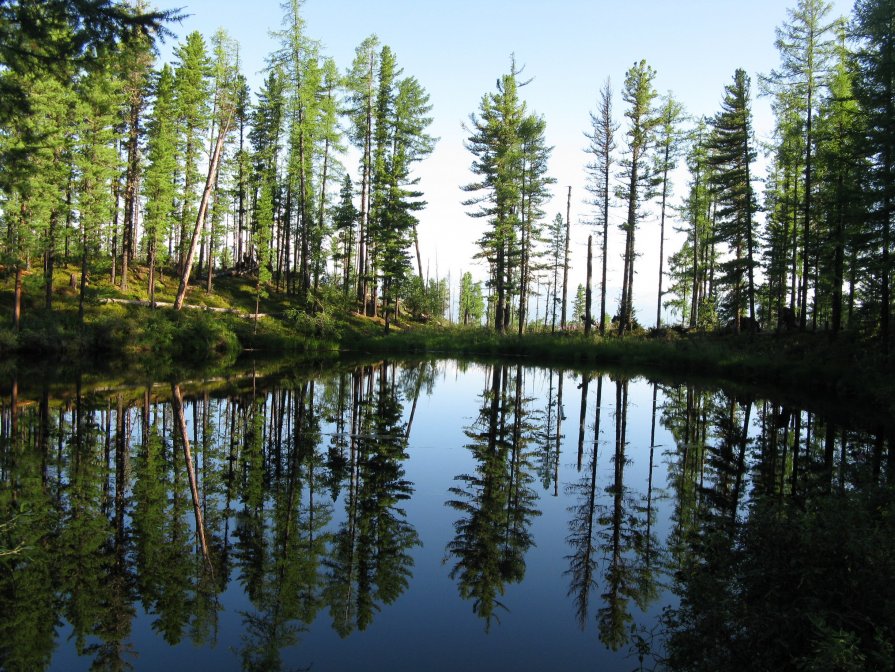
[{"x": 118, "y": 165}]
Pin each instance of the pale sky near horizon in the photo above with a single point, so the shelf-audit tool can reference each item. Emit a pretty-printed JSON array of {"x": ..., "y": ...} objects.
[{"x": 568, "y": 48}]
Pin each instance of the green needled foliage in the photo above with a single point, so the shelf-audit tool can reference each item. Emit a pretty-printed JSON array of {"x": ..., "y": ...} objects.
[
  {"x": 103, "y": 160},
  {"x": 510, "y": 156},
  {"x": 472, "y": 304},
  {"x": 96, "y": 163},
  {"x": 731, "y": 154},
  {"x": 805, "y": 42},
  {"x": 192, "y": 96},
  {"x": 668, "y": 146},
  {"x": 874, "y": 30},
  {"x": 601, "y": 147},
  {"x": 344, "y": 220},
  {"x": 159, "y": 180},
  {"x": 638, "y": 181}
]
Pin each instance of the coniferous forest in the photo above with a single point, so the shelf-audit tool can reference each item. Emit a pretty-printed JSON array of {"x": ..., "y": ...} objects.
[
  {"x": 127, "y": 180},
  {"x": 245, "y": 423}
]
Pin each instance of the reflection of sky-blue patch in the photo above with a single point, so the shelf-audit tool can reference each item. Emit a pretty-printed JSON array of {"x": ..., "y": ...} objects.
[{"x": 429, "y": 626}]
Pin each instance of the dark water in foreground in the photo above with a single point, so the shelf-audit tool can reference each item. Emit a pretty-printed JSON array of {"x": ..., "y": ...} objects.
[{"x": 439, "y": 516}]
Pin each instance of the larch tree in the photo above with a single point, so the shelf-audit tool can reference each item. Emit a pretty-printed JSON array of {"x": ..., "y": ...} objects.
[
  {"x": 840, "y": 171},
  {"x": 496, "y": 146},
  {"x": 471, "y": 304},
  {"x": 48, "y": 140},
  {"x": 330, "y": 146},
  {"x": 299, "y": 59},
  {"x": 535, "y": 183},
  {"x": 600, "y": 149},
  {"x": 36, "y": 152},
  {"x": 192, "y": 92},
  {"x": 228, "y": 105},
  {"x": 874, "y": 30},
  {"x": 242, "y": 169},
  {"x": 96, "y": 162},
  {"x": 360, "y": 82},
  {"x": 266, "y": 140},
  {"x": 136, "y": 60},
  {"x": 158, "y": 185},
  {"x": 224, "y": 109},
  {"x": 805, "y": 42},
  {"x": 669, "y": 137},
  {"x": 731, "y": 155},
  {"x": 637, "y": 177},
  {"x": 783, "y": 212},
  {"x": 556, "y": 241}
]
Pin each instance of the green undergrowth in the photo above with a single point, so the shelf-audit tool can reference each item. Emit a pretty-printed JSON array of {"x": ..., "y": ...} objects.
[
  {"x": 846, "y": 369},
  {"x": 135, "y": 336}
]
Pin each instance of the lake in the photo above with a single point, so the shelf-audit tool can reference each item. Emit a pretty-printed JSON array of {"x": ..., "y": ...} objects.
[{"x": 439, "y": 515}]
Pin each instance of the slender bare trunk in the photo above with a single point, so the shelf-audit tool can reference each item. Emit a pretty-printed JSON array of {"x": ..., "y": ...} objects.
[
  {"x": 587, "y": 293},
  {"x": 565, "y": 272},
  {"x": 203, "y": 207}
]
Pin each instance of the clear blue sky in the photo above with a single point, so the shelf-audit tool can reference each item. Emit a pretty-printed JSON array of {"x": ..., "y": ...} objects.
[{"x": 458, "y": 48}]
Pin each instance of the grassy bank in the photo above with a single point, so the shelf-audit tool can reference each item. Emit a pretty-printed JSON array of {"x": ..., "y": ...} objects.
[
  {"x": 848, "y": 369},
  {"x": 218, "y": 327}
]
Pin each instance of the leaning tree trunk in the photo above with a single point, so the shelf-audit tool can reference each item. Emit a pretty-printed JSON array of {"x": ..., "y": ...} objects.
[{"x": 200, "y": 218}]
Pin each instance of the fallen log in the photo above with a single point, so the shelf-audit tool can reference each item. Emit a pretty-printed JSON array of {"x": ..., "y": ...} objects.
[{"x": 163, "y": 304}]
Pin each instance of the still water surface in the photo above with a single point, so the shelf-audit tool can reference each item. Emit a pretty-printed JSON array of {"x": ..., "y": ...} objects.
[{"x": 430, "y": 515}]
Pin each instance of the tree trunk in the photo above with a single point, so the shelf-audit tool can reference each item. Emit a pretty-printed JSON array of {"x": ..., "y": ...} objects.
[
  {"x": 662, "y": 237},
  {"x": 565, "y": 272},
  {"x": 191, "y": 473},
  {"x": 116, "y": 196},
  {"x": 49, "y": 262},
  {"x": 364, "y": 195},
  {"x": 83, "y": 289},
  {"x": 587, "y": 293},
  {"x": 416, "y": 245},
  {"x": 694, "y": 299},
  {"x": 806, "y": 241},
  {"x": 151, "y": 289},
  {"x": 17, "y": 301},
  {"x": 203, "y": 207}
]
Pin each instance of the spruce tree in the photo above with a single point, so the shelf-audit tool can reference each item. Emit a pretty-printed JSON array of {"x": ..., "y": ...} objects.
[
  {"x": 53, "y": 38},
  {"x": 401, "y": 121}
]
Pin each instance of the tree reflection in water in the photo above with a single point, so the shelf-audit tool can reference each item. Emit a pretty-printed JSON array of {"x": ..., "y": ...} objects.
[
  {"x": 496, "y": 502},
  {"x": 762, "y": 532}
]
